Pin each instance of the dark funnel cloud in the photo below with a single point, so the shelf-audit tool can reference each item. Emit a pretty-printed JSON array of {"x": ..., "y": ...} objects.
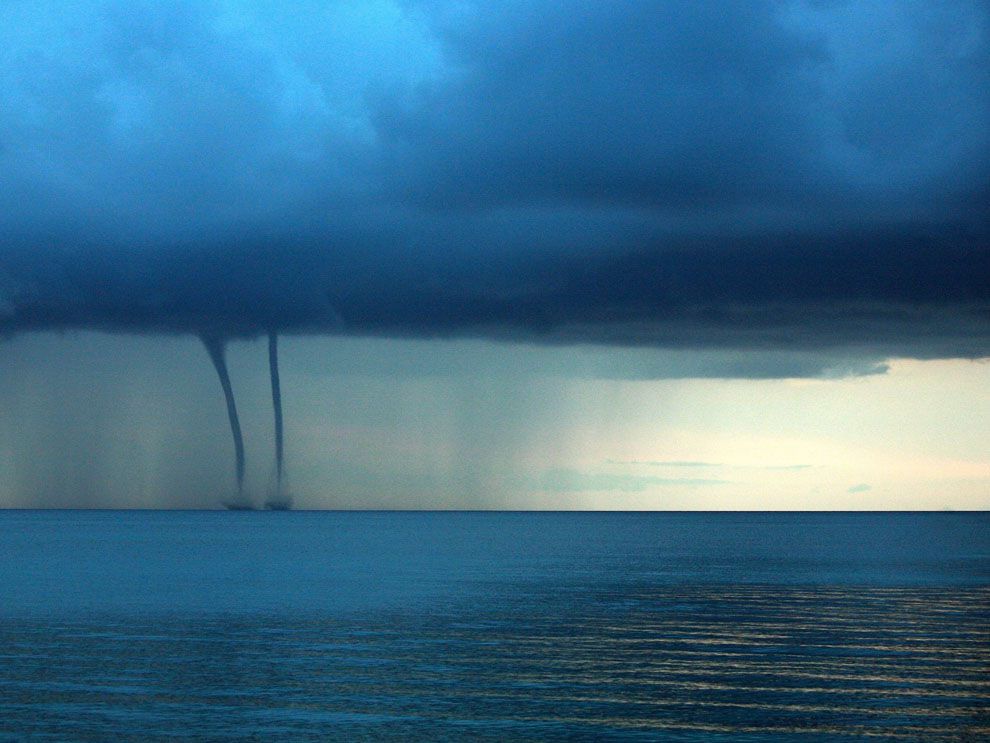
[
  {"x": 277, "y": 407},
  {"x": 215, "y": 347},
  {"x": 778, "y": 176}
]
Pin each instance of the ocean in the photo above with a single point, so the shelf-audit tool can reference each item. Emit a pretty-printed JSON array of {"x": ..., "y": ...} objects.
[{"x": 198, "y": 625}]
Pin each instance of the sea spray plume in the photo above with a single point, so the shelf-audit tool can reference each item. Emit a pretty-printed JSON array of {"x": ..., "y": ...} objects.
[{"x": 216, "y": 347}]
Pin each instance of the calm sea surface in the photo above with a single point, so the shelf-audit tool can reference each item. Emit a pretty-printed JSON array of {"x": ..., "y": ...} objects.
[{"x": 493, "y": 626}]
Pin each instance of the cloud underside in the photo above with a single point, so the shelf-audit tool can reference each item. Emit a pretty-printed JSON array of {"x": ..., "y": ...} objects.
[
  {"x": 859, "y": 300},
  {"x": 788, "y": 177}
]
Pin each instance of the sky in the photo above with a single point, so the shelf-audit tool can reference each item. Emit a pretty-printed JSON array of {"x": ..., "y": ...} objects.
[{"x": 521, "y": 255}]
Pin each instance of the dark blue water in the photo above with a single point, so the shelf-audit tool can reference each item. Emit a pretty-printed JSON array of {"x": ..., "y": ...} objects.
[{"x": 315, "y": 626}]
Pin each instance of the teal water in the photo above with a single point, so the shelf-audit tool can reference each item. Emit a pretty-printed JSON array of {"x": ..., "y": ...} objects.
[{"x": 493, "y": 626}]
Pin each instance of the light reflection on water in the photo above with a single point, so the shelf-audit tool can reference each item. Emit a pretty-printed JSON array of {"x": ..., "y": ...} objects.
[{"x": 560, "y": 652}]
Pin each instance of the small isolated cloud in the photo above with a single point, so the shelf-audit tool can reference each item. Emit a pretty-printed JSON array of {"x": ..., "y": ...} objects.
[
  {"x": 570, "y": 480},
  {"x": 663, "y": 463},
  {"x": 860, "y": 488},
  {"x": 689, "y": 463}
]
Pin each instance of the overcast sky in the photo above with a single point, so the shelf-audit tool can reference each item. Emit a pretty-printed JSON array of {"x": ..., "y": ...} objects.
[{"x": 571, "y": 204}]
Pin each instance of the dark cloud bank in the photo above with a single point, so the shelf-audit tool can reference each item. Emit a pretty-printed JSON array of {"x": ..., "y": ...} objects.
[{"x": 766, "y": 176}]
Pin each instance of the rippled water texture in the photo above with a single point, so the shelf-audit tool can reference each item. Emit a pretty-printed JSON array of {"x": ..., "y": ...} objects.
[{"x": 436, "y": 626}]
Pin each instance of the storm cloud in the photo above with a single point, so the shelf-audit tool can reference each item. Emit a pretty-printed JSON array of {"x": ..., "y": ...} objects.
[{"x": 778, "y": 176}]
